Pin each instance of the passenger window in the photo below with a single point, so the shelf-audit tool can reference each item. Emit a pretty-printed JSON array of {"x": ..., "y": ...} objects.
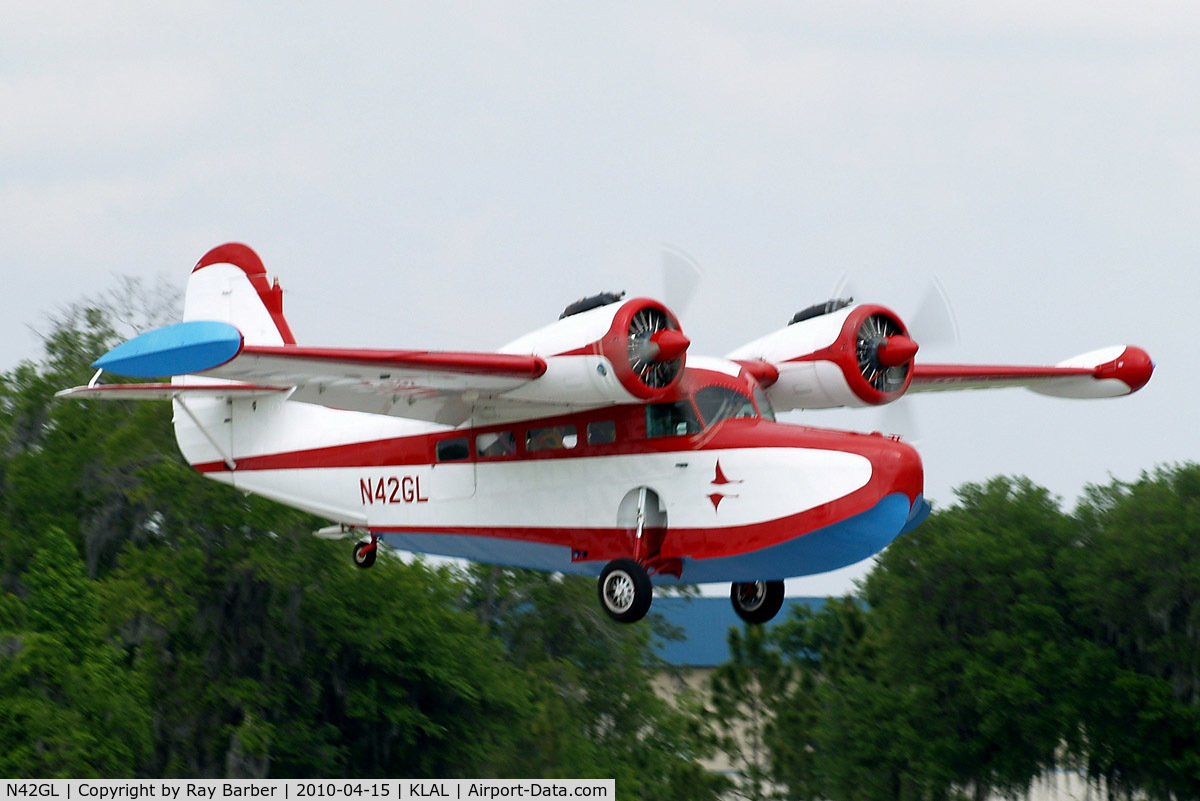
[
  {"x": 671, "y": 420},
  {"x": 719, "y": 403},
  {"x": 601, "y": 432},
  {"x": 453, "y": 450},
  {"x": 500, "y": 443},
  {"x": 550, "y": 438}
]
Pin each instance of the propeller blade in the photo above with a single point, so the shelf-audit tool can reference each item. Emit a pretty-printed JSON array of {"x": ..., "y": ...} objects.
[
  {"x": 933, "y": 321},
  {"x": 844, "y": 288},
  {"x": 898, "y": 418},
  {"x": 681, "y": 278}
]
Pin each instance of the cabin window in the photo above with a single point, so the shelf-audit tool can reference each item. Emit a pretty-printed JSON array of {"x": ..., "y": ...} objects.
[
  {"x": 671, "y": 419},
  {"x": 453, "y": 450},
  {"x": 497, "y": 443},
  {"x": 550, "y": 438},
  {"x": 719, "y": 403},
  {"x": 601, "y": 432},
  {"x": 764, "y": 404}
]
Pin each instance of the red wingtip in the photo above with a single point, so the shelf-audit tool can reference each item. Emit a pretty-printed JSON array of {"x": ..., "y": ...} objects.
[{"x": 1134, "y": 367}]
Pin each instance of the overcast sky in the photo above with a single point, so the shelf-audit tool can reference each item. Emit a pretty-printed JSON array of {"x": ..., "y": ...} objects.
[{"x": 451, "y": 175}]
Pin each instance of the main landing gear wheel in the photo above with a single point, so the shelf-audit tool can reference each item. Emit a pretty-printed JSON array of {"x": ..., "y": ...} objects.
[
  {"x": 365, "y": 553},
  {"x": 625, "y": 591},
  {"x": 756, "y": 601}
]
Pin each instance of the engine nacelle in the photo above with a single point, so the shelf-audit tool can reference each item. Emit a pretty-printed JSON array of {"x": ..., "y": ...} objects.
[
  {"x": 616, "y": 353},
  {"x": 855, "y": 356}
]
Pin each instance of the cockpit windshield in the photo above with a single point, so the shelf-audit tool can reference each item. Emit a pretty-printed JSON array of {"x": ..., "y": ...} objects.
[
  {"x": 764, "y": 404},
  {"x": 721, "y": 403}
]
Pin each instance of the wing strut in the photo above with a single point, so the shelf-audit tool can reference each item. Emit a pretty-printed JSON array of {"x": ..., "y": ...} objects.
[{"x": 225, "y": 457}]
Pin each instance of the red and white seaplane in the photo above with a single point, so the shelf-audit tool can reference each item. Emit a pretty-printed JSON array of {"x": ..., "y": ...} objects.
[{"x": 595, "y": 445}]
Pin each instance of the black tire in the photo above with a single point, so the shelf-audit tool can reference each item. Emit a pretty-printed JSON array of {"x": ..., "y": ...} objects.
[
  {"x": 756, "y": 601},
  {"x": 365, "y": 558},
  {"x": 625, "y": 590}
]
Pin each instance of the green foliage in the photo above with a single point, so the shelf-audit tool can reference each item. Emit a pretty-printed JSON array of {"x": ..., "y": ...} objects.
[
  {"x": 68, "y": 708},
  {"x": 1135, "y": 589},
  {"x": 846, "y": 732},
  {"x": 743, "y": 691},
  {"x": 970, "y": 608},
  {"x": 288, "y": 660},
  {"x": 594, "y": 709}
]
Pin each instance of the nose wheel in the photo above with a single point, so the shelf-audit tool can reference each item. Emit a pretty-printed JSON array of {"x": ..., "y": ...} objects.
[
  {"x": 365, "y": 552},
  {"x": 625, "y": 590},
  {"x": 756, "y": 601}
]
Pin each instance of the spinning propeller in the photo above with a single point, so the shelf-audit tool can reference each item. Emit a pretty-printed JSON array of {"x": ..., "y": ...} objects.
[
  {"x": 681, "y": 277},
  {"x": 932, "y": 323}
]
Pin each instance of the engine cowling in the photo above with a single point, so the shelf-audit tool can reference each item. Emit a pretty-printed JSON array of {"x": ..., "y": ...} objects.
[
  {"x": 616, "y": 353},
  {"x": 855, "y": 356}
]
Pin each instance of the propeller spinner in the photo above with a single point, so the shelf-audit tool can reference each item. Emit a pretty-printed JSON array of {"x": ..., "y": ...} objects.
[
  {"x": 655, "y": 347},
  {"x": 885, "y": 352}
]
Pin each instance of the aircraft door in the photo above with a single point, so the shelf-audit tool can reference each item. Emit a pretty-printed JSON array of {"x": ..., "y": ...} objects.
[{"x": 643, "y": 514}]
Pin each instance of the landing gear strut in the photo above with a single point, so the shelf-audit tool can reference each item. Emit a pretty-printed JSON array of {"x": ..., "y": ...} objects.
[
  {"x": 756, "y": 601},
  {"x": 625, "y": 590},
  {"x": 365, "y": 552}
]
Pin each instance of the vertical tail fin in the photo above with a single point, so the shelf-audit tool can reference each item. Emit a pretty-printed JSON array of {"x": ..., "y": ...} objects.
[{"x": 229, "y": 284}]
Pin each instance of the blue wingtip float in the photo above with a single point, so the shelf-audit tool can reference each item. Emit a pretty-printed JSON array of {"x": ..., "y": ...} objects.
[{"x": 178, "y": 349}]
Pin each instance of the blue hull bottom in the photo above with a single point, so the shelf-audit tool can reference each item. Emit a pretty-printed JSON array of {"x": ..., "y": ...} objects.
[{"x": 820, "y": 551}]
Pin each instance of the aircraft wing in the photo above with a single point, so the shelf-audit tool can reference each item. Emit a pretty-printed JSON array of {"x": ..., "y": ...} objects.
[
  {"x": 1105, "y": 373},
  {"x": 212, "y": 359},
  {"x": 438, "y": 386},
  {"x": 607, "y": 354}
]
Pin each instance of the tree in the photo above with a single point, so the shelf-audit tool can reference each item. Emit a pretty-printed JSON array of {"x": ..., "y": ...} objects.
[
  {"x": 1135, "y": 590},
  {"x": 68, "y": 708},
  {"x": 595, "y": 710},
  {"x": 970, "y": 608},
  {"x": 73, "y": 466},
  {"x": 954, "y": 675},
  {"x": 843, "y": 730},
  {"x": 743, "y": 691}
]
